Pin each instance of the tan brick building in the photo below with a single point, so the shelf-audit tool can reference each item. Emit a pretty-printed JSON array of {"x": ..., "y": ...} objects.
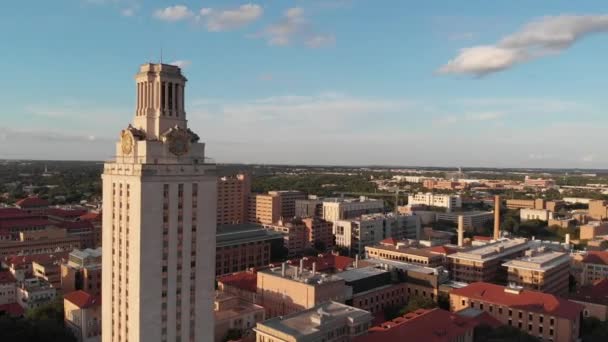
[
  {"x": 232, "y": 196},
  {"x": 233, "y": 313},
  {"x": 288, "y": 289},
  {"x": 598, "y": 209},
  {"x": 264, "y": 208},
  {"x": 593, "y": 229},
  {"x": 484, "y": 263},
  {"x": 540, "y": 270}
]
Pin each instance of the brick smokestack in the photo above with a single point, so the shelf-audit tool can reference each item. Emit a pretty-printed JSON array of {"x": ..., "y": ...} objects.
[
  {"x": 496, "y": 217},
  {"x": 460, "y": 230}
]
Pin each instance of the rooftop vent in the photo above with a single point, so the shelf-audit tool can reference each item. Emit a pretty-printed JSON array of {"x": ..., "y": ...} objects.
[{"x": 513, "y": 288}]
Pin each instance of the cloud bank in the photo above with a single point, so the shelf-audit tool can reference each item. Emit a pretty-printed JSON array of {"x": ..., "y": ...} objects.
[{"x": 543, "y": 37}]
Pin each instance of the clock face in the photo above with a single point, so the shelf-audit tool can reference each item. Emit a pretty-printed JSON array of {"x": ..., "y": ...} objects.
[
  {"x": 178, "y": 144},
  {"x": 126, "y": 142}
]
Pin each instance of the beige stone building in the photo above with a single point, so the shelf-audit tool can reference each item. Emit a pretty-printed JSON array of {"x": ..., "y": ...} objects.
[
  {"x": 542, "y": 315},
  {"x": 34, "y": 292},
  {"x": 593, "y": 297},
  {"x": 484, "y": 263},
  {"x": 335, "y": 209},
  {"x": 82, "y": 271},
  {"x": 159, "y": 221},
  {"x": 8, "y": 288},
  {"x": 233, "y": 313},
  {"x": 392, "y": 249},
  {"x": 287, "y": 289},
  {"x": 540, "y": 270},
  {"x": 82, "y": 313},
  {"x": 329, "y": 322},
  {"x": 48, "y": 240},
  {"x": 232, "y": 199},
  {"x": 594, "y": 266},
  {"x": 369, "y": 230},
  {"x": 525, "y": 203}
]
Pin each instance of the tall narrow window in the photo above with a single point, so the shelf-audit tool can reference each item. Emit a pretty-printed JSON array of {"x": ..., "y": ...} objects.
[
  {"x": 170, "y": 98},
  {"x": 162, "y": 96}
]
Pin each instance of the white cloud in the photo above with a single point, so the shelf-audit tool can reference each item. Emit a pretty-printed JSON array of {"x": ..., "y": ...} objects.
[
  {"x": 545, "y": 36},
  {"x": 321, "y": 40},
  {"x": 294, "y": 26},
  {"x": 471, "y": 117},
  {"x": 225, "y": 20},
  {"x": 481, "y": 60},
  {"x": 283, "y": 32},
  {"x": 174, "y": 13},
  {"x": 588, "y": 158},
  {"x": 128, "y": 12},
  {"x": 183, "y": 64}
]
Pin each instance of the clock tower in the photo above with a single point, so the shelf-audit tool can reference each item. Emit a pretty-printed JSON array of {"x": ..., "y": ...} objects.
[{"x": 159, "y": 205}]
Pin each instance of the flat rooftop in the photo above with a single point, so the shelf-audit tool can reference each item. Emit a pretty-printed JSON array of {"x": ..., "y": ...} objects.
[
  {"x": 493, "y": 250},
  {"x": 405, "y": 266},
  {"x": 360, "y": 273},
  {"x": 308, "y": 322},
  {"x": 542, "y": 261},
  {"x": 87, "y": 253},
  {"x": 306, "y": 276},
  {"x": 236, "y": 234}
]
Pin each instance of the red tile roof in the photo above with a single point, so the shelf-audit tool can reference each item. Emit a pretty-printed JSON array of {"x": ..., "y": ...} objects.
[
  {"x": 75, "y": 224},
  {"x": 442, "y": 250},
  {"x": 82, "y": 299},
  {"x": 66, "y": 213},
  {"x": 325, "y": 262},
  {"x": 25, "y": 222},
  {"x": 596, "y": 257},
  {"x": 19, "y": 261},
  {"x": 389, "y": 241},
  {"x": 7, "y": 277},
  {"x": 12, "y": 213},
  {"x": 12, "y": 309},
  {"x": 526, "y": 300},
  {"x": 242, "y": 280},
  {"x": 32, "y": 202},
  {"x": 433, "y": 325},
  {"x": 91, "y": 216},
  {"x": 596, "y": 293}
]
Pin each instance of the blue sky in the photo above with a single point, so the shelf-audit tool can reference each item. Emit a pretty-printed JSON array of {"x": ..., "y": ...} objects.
[{"x": 445, "y": 83}]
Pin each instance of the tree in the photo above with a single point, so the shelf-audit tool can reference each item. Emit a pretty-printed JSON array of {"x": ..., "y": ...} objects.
[
  {"x": 571, "y": 283},
  {"x": 233, "y": 335},
  {"x": 24, "y": 330},
  {"x": 443, "y": 301},
  {"x": 594, "y": 330},
  {"x": 417, "y": 302},
  {"x": 320, "y": 246},
  {"x": 52, "y": 311},
  {"x": 505, "y": 333}
]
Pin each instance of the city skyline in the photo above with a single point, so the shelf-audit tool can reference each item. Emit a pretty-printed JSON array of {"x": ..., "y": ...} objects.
[{"x": 277, "y": 83}]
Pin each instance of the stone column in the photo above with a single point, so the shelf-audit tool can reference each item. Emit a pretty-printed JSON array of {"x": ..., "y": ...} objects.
[
  {"x": 181, "y": 98},
  {"x": 166, "y": 96}
]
